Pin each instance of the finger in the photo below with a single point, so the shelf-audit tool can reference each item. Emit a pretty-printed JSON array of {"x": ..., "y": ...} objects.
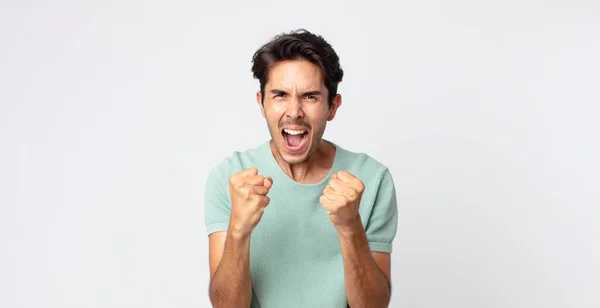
[
  {"x": 346, "y": 176},
  {"x": 268, "y": 182},
  {"x": 333, "y": 198},
  {"x": 354, "y": 182},
  {"x": 330, "y": 205},
  {"x": 338, "y": 186},
  {"x": 259, "y": 190},
  {"x": 343, "y": 189},
  {"x": 249, "y": 171},
  {"x": 326, "y": 203},
  {"x": 263, "y": 201},
  {"x": 254, "y": 180},
  {"x": 331, "y": 194}
]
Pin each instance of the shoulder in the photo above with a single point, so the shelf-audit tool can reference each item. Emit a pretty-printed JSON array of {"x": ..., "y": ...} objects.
[
  {"x": 361, "y": 164},
  {"x": 237, "y": 161}
]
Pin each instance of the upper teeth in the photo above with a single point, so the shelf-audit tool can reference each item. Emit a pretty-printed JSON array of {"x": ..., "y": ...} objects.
[{"x": 294, "y": 132}]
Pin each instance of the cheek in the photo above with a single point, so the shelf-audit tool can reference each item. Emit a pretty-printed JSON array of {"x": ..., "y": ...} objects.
[
  {"x": 274, "y": 113},
  {"x": 318, "y": 115}
]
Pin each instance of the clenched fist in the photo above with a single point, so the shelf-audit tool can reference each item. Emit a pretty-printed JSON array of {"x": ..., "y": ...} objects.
[
  {"x": 248, "y": 191},
  {"x": 341, "y": 199}
]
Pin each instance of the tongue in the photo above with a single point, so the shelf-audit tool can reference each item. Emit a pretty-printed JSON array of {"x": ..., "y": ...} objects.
[{"x": 294, "y": 140}]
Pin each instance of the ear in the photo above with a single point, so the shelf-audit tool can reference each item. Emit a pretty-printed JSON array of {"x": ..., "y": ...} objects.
[
  {"x": 260, "y": 104},
  {"x": 337, "y": 102}
]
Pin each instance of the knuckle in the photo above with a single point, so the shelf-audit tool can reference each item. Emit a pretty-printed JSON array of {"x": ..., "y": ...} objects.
[
  {"x": 261, "y": 203},
  {"x": 258, "y": 199},
  {"x": 335, "y": 208},
  {"x": 253, "y": 202},
  {"x": 361, "y": 186},
  {"x": 247, "y": 193},
  {"x": 324, "y": 200},
  {"x": 352, "y": 195},
  {"x": 236, "y": 181}
]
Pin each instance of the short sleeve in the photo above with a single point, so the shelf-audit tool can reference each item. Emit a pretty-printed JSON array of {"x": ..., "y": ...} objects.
[
  {"x": 217, "y": 205},
  {"x": 383, "y": 221}
]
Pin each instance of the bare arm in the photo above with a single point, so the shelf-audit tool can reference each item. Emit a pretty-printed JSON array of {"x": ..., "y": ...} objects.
[
  {"x": 230, "y": 284},
  {"x": 366, "y": 274},
  {"x": 229, "y": 251}
]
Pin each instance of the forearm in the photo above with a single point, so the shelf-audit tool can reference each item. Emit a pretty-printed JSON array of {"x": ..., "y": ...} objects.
[
  {"x": 365, "y": 285},
  {"x": 231, "y": 285}
]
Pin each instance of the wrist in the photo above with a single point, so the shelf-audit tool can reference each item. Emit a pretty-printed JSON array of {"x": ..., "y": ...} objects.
[
  {"x": 351, "y": 229},
  {"x": 238, "y": 233}
]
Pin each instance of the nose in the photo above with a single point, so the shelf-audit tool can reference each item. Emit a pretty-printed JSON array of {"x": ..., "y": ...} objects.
[{"x": 294, "y": 110}]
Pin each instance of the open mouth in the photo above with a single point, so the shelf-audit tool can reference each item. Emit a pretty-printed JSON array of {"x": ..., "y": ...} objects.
[{"x": 294, "y": 140}]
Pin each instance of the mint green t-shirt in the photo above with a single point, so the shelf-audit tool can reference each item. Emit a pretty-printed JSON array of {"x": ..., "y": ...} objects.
[{"x": 295, "y": 253}]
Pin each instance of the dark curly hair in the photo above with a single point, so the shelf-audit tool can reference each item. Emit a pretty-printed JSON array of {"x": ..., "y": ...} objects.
[{"x": 298, "y": 45}]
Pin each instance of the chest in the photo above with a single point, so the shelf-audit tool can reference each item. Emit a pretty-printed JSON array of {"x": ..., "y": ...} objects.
[
  {"x": 295, "y": 226},
  {"x": 295, "y": 255}
]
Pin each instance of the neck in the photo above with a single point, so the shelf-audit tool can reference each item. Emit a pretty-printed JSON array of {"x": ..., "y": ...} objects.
[{"x": 313, "y": 169}]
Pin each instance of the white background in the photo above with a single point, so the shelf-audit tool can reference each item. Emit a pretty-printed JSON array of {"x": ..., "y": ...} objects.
[{"x": 113, "y": 112}]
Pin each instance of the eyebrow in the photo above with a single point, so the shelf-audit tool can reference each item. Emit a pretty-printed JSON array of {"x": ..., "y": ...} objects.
[{"x": 277, "y": 91}]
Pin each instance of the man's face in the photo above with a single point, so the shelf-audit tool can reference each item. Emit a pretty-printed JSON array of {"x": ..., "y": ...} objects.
[{"x": 296, "y": 108}]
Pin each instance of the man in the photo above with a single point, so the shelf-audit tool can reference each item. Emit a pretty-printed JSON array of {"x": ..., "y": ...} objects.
[{"x": 299, "y": 221}]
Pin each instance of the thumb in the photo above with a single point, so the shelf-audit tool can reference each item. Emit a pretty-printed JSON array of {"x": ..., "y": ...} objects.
[
  {"x": 249, "y": 171},
  {"x": 268, "y": 182}
]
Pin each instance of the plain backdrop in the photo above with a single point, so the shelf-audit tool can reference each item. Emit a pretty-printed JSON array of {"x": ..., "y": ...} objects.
[{"x": 486, "y": 112}]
